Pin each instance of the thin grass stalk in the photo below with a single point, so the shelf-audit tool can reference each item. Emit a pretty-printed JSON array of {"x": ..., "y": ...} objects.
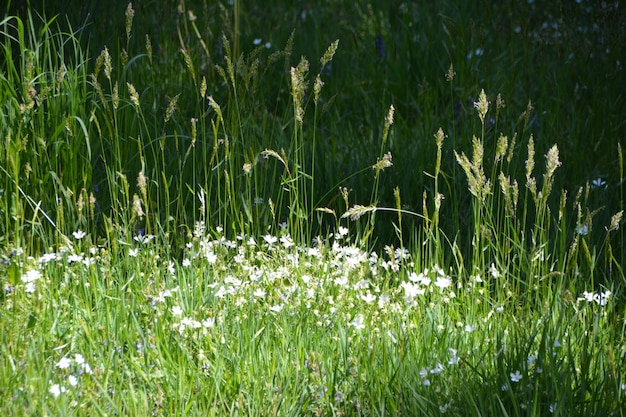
[
  {"x": 52, "y": 131},
  {"x": 383, "y": 161},
  {"x": 437, "y": 197}
]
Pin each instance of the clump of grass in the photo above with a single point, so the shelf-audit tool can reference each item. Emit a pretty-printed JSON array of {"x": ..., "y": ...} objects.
[
  {"x": 327, "y": 328},
  {"x": 198, "y": 227}
]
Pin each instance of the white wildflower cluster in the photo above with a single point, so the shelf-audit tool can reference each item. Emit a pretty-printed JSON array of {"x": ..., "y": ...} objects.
[
  {"x": 29, "y": 278},
  {"x": 427, "y": 373},
  {"x": 397, "y": 257},
  {"x": 72, "y": 369},
  {"x": 532, "y": 368},
  {"x": 600, "y": 298},
  {"x": 188, "y": 323},
  {"x": 419, "y": 284}
]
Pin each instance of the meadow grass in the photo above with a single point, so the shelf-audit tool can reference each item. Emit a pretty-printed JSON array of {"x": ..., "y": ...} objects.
[{"x": 392, "y": 209}]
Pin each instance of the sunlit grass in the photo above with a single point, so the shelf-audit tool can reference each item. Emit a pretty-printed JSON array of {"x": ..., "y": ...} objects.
[
  {"x": 239, "y": 218},
  {"x": 246, "y": 327}
]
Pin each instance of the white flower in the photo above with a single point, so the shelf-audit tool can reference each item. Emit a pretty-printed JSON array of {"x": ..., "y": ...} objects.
[
  {"x": 209, "y": 322},
  {"x": 73, "y": 381},
  {"x": 277, "y": 308},
  {"x": 87, "y": 368},
  {"x": 587, "y": 296},
  {"x": 170, "y": 268},
  {"x": 469, "y": 328},
  {"x": 602, "y": 298},
  {"x": 437, "y": 369},
  {"x": 341, "y": 281},
  {"x": 221, "y": 293},
  {"x": 47, "y": 257},
  {"x": 453, "y": 358},
  {"x": 56, "y": 390},
  {"x": 424, "y": 280},
  {"x": 362, "y": 284},
  {"x": 75, "y": 258},
  {"x": 494, "y": 271},
  {"x": 270, "y": 239},
  {"x": 358, "y": 322},
  {"x": 382, "y": 301},
  {"x": 79, "y": 234},
  {"x": 30, "y": 287},
  {"x": 79, "y": 359},
  {"x": 515, "y": 376},
  {"x": 143, "y": 238},
  {"x": 286, "y": 241},
  {"x": 411, "y": 290},
  {"x": 31, "y": 276},
  {"x": 368, "y": 298},
  {"x": 64, "y": 363},
  {"x": 443, "y": 282},
  {"x": 598, "y": 182},
  {"x": 210, "y": 256},
  {"x": 177, "y": 311},
  {"x": 420, "y": 278},
  {"x": 341, "y": 232}
]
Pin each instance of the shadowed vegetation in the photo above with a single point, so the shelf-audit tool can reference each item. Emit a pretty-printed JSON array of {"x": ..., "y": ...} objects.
[{"x": 343, "y": 208}]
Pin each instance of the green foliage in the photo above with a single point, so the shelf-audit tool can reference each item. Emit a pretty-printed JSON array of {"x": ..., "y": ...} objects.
[{"x": 394, "y": 208}]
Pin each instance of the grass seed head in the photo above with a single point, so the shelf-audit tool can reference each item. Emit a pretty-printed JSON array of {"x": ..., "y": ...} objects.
[
  {"x": 106, "y": 58},
  {"x": 203, "y": 87},
  {"x": 130, "y": 13},
  {"x": 530, "y": 161},
  {"x": 450, "y": 74},
  {"x": 298, "y": 87},
  {"x": 137, "y": 209},
  {"x": 317, "y": 87},
  {"x": 357, "y": 211},
  {"x": 142, "y": 184},
  {"x": 134, "y": 96},
  {"x": 616, "y": 219},
  {"x": 116, "y": 97},
  {"x": 552, "y": 161},
  {"x": 439, "y": 137},
  {"x": 330, "y": 52},
  {"x": 500, "y": 102},
  {"x": 149, "y": 48},
  {"x": 383, "y": 163},
  {"x": 171, "y": 107},
  {"x": 482, "y": 105},
  {"x": 501, "y": 147}
]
